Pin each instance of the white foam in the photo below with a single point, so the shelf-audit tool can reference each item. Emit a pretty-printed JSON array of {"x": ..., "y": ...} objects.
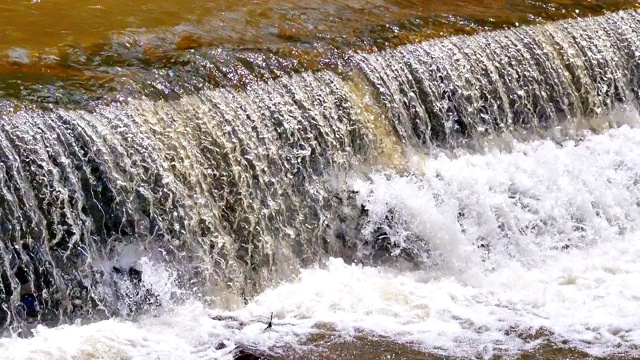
[{"x": 526, "y": 203}]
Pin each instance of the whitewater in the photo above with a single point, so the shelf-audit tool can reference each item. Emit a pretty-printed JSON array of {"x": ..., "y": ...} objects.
[{"x": 539, "y": 238}]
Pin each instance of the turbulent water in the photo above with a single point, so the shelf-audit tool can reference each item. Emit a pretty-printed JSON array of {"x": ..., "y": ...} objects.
[
  {"x": 462, "y": 196},
  {"x": 532, "y": 203}
]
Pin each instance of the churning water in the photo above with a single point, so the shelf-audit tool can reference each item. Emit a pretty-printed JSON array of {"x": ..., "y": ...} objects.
[
  {"x": 469, "y": 196},
  {"x": 562, "y": 223}
]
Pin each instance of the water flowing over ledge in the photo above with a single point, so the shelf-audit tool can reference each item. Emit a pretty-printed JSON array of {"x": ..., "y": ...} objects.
[
  {"x": 562, "y": 272},
  {"x": 532, "y": 78},
  {"x": 235, "y": 189}
]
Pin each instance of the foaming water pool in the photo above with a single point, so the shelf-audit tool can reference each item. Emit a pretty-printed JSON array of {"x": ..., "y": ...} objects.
[{"x": 560, "y": 221}]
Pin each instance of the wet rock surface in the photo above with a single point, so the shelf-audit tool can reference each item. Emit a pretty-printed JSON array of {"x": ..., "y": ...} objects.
[{"x": 242, "y": 353}]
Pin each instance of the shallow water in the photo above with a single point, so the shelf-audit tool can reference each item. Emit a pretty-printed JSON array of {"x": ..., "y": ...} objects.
[
  {"x": 561, "y": 272},
  {"x": 46, "y": 24},
  {"x": 73, "y": 51}
]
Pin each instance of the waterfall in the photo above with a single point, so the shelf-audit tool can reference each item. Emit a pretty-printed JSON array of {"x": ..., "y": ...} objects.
[
  {"x": 235, "y": 189},
  {"x": 449, "y": 91},
  {"x": 224, "y": 185}
]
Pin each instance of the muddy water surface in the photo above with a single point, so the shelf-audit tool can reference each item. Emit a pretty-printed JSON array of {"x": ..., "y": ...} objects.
[
  {"x": 68, "y": 51},
  {"x": 42, "y": 26}
]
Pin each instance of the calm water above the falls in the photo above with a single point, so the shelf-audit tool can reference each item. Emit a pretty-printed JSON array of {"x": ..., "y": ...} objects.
[
  {"x": 42, "y": 26},
  {"x": 71, "y": 51}
]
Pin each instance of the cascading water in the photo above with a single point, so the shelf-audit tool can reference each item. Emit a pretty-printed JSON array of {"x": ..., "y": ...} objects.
[
  {"x": 230, "y": 191},
  {"x": 223, "y": 185},
  {"x": 448, "y": 91}
]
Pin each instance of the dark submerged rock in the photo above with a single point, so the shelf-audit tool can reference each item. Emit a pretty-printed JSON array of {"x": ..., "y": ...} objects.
[
  {"x": 28, "y": 307},
  {"x": 386, "y": 245},
  {"x": 242, "y": 353}
]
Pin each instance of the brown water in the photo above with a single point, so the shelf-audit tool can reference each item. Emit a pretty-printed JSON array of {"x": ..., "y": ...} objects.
[
  {"x": 71, "y": 50},
  {"x": 333, "y": 346},
  {"x": 45, "y": 25}
]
